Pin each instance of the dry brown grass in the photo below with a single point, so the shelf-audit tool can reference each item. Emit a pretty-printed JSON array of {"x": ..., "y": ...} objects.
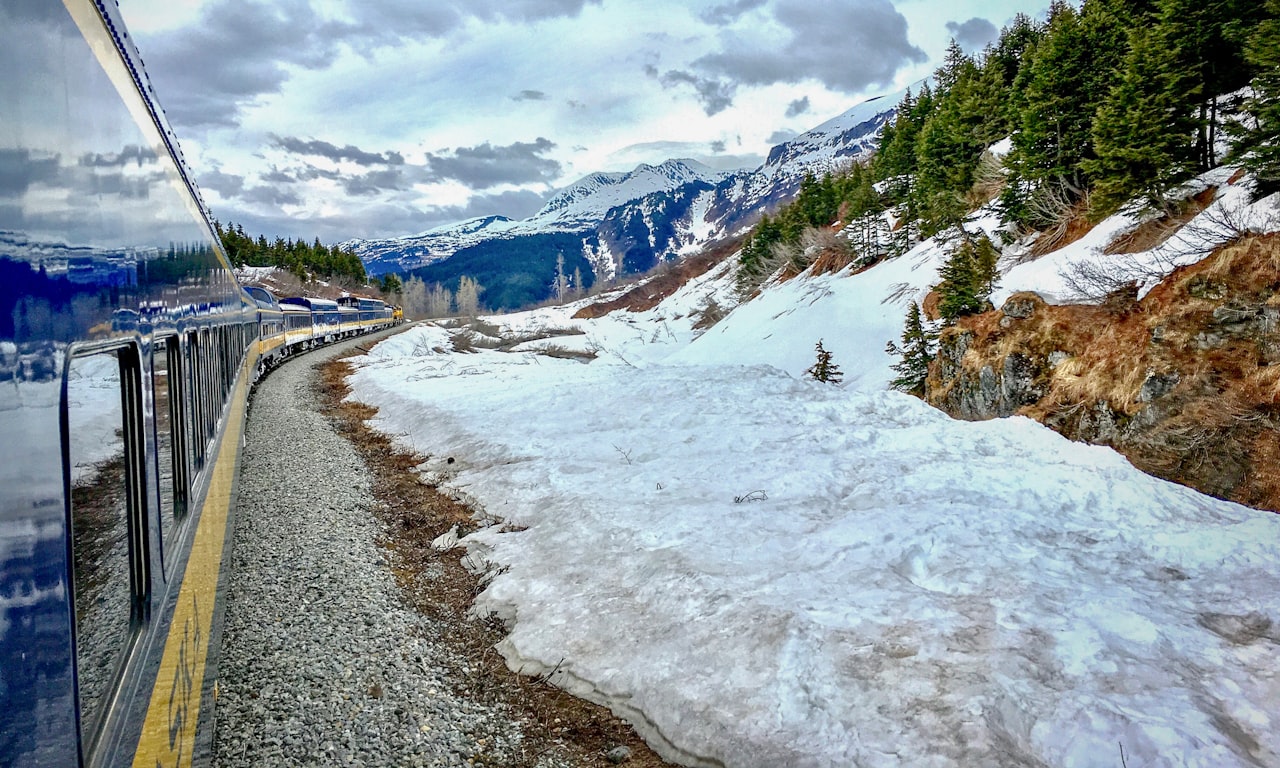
[
  {"x": 1157, "y": 230},
  {"x": 1218, "y": 427},
  {"x": 553, "y": 722}
]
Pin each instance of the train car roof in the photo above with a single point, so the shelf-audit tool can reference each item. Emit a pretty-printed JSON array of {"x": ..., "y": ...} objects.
[
  {"x": 315, "y": 304},
  {"x": 262, "y": 297}
]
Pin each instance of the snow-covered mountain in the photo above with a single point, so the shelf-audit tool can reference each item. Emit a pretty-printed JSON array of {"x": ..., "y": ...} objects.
[
  {"x": 584, "y": 206},
  {"x": 630, "y": 221}
]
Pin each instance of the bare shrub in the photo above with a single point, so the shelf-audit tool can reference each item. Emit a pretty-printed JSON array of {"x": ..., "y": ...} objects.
[
  {"x": 462, "y": 342},
  {"x": 1215, "y": 227},
  {"x": 988, "y": 181},
  {"x": 487, "y": 329},
  {"x": 564, "y": 353},
  {"x": 708, "y": 314},
  {"x": 1058, "y": 210}
]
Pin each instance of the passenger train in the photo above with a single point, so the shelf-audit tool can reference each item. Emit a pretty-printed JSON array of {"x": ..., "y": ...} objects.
[{"x": 127, "y": 350}]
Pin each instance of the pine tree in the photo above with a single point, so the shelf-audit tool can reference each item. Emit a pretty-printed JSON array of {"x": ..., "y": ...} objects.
[
  {"x": 1141, "y": 146},
  {"x": 917, "y": 351},
  {"x": 1206, "y": 40},
  {"x": 1260, "y": 141},
  {"x": 968, "y": 278},
  {"x": 895, "y": 160},
  {"x": 823, "y": 369},
  {"x": 1053, "y": 124}
]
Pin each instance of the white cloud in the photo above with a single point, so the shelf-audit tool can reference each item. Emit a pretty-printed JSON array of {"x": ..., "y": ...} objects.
[{"x": 309, "y": 102}]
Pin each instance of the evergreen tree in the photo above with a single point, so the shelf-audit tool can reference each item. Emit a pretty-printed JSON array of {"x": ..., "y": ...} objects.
[
  {"x": 823, "y": 369},
  {"x": 390, "y": 283},
  {"x": 1206, "y": 42},
  {"x": 1141, "y": 147},
  {"x": 917, "y": 351},
  {"x": 954, "y": 62},
  {"x": 1053, "y": 123},
  {"x": 966, "y": 120},
  {"x": 1012, "y": 47},
  {"x": 968, "y": 278},
  {"x": 1260, "y": 137}
]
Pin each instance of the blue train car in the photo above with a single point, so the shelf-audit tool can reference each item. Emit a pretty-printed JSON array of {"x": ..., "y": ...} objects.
[
  {"x": 126, "y": 354},
  {"x": 124, "y": 346}
]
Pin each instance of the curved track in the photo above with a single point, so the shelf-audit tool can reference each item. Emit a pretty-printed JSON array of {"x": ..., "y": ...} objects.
[{"x": 322, "y": 662}]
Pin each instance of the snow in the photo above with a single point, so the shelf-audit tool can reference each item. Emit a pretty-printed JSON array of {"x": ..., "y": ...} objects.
[
  {"x": 246, "y": 274},
  {"x": 758, "y": 569},
  {"x": 1231, "y": 213}
]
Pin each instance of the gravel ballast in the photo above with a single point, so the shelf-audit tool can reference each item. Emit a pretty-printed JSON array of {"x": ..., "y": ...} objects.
[{"x": 322, "y": 661}]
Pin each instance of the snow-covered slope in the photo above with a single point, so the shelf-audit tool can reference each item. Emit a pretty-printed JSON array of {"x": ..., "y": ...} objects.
[
  {"x": 760, "y": 570},
  {"x": 587, "y": 202}
]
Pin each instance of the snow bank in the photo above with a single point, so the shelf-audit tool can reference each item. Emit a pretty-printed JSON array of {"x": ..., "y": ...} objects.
[
  {"x": 761, "y": 570},
  {"x": 907, "y": 589}
]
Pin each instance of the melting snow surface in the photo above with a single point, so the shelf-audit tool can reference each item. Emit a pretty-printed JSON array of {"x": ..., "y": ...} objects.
[{"x": 762, "y": 570}]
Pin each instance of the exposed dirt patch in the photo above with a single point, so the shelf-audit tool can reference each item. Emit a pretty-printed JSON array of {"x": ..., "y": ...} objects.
[
  {"x": 437, "y": 584},
  {"x": 651, "y": 292}
]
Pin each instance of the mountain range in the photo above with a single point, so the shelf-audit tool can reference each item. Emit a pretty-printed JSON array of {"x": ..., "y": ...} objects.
[{"x": 606, "y": 225}]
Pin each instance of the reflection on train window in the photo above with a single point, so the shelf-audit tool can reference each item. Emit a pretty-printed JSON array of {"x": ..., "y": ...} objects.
[
  {"x": 178, "y": 407},
  {"x": 196, "y": 388},
  {"x": 103, "y": 432},
  {"x": 165, "y": 378}
]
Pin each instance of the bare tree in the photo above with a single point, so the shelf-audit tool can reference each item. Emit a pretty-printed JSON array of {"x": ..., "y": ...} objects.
[
  {"x": 439, "y": 301},
  {"x": 413, "y": 297},
  {"x": 468, "y": 297},
  {"x": 560, "y": 288}
]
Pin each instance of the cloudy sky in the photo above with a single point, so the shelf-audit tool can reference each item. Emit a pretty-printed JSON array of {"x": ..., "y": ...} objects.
[{"x": 377, "y": 118}]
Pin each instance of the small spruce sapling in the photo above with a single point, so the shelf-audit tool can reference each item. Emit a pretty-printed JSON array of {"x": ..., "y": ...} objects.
[
  {"x": 823, "y": 369},
  {"x": 916, "y": 352}
]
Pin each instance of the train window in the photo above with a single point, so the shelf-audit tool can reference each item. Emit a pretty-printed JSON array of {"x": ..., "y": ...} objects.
[
  {"x": 208, "y": 371},
  {"x": 196, "y": 388},
  {"x": 166, "y": 377},
  {"x": 103, "y": 421}
]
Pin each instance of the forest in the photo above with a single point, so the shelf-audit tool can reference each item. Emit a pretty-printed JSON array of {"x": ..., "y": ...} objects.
[
  {"x": 1103, "y": 104},
  {"x": 314, "y": 261}
]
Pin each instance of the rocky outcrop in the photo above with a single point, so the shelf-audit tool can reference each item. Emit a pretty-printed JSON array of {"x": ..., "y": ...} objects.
[
  {"x": 1185, "y": 382},
  {"x": 974, "y": 387}
]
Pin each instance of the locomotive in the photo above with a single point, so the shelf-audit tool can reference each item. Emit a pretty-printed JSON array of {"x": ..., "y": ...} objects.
[{"x": 127, "y": 349}]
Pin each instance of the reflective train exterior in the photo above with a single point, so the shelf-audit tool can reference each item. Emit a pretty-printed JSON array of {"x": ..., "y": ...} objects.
[{"x": 126, "y": 353}]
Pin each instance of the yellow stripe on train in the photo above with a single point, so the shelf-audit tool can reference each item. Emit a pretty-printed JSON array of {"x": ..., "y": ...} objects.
[{"x": 169, "y": 732}]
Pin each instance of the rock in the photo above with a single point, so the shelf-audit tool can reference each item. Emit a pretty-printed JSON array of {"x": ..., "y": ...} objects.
[
  {"x": 1057, "y": 357},
  {"x": 1018, "y": 385},
  {"x": 951, "y": 349},
  {"x": 1157, "y": 385},
  {"x": 619, "y": 754},
  {"x": 1022, "y": 305}
]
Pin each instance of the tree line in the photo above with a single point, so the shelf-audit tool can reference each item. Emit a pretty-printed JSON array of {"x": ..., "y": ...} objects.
[
  {"x": 1104, "y": 103},
  {"x": 307, "y": 261}
]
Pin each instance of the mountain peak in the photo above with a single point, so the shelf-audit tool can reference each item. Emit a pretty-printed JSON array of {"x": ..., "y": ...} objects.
[{"x": 595, "y": 194}]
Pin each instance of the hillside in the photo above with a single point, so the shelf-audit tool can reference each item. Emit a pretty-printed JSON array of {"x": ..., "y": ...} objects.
[
  {"x": 915, "y": 565},
  {"x": 799, "y": 544},
  {"x": 611, "y": 224}
]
